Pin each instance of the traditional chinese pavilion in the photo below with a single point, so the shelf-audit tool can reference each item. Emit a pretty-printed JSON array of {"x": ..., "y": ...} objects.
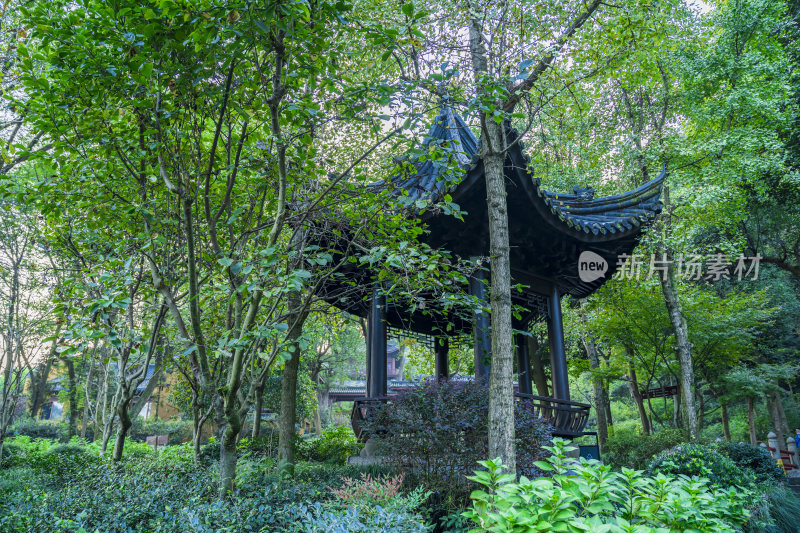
[{"x": 548, "y": 232}]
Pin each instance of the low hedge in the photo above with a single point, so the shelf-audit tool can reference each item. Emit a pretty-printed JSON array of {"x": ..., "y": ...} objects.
[
  {"x": 702, "y": 461},
  {"x": 755, "y": 458},
  {"x": 633, "y": 450}
]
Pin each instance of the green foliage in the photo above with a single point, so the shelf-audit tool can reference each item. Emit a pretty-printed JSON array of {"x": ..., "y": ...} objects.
[
  {"x": 776, "y": 510},
  {"x": 702, "y": 461},
  {"x": 437, "y": 431},
  {"x": 754, "y": 459},
  {"x": 178, "y": 430},
  {"x": 165, "y": 492},
  {"x": 210, "y": 452},
  {"x": 633, "y": 450},
  {"x": 39, "y": 429},
  {"x": 588, "y": 496},
  {"x": 334, "y": 446},
  {"x": 319, "y": 520},
  {"x": 306, "y": 395},
  {"x": 260, "y": 447}
]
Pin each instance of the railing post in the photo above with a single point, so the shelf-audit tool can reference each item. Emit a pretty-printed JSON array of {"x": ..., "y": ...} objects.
[
  {"x": 441, "y": 352},
  {"x": 772, "y": 440},
  {"x": 793, "y": 451},
  {"x": 377, "y": 367}
]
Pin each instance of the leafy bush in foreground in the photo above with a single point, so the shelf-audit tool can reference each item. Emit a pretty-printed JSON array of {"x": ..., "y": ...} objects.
[
  {"x": 588, "y": 496},
  {"x": 703, "y": 461}
]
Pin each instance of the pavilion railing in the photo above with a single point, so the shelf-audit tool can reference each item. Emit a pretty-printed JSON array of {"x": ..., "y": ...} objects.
[
  {"x": 362, "y": 409},
  {"x": 568, "y": 418}
]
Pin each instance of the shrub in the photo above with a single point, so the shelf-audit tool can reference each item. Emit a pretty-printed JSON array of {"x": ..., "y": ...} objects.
[
  {"x": 334, "y": 446},
  {"x": 178, "y": 430},
  {"x": 586, "y": 496},
  {"x": 702, "y": 461},
  {"x": 39, "y": 429},
  {"x": 754, "y": 458},
  {"x": 209, "y": 454},
  {"x": 259, "y": 447},
  {"x": 318, "y": 519},
  {"x": 368, "y": 489},
  {"x": 632, "y": 450},
  {"x": 166, "y": 493},
  {"x": 10, "y": 452},
  {"x": 437, "y": 431}
]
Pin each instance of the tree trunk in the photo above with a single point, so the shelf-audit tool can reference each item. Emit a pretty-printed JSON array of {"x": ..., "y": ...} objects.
[
  {"x": 288, "y": 414},
  {"x": 123, "y": 426},
  {"x": 701, "y": 411},
  {"x": 682, "y": 346},
  {"x": 501, "y": 377},
  {"x": 39, "y": 379},
  {"x": 676, "y": 409},
  {"x": 751, "y": 421},
  {"x": 72, "y": 397},
  {"x": 537, "y": 367},
  {"x": 784, "y": 423},
  {"x": 228, "y": 456},
  {"x": 726, "y": 428},
  {"x": 259, "y": 405},
  {"x": 633, "y": 384},
  {"x": 600, "y": 398},
  {"x": 501, "y": 398},
  {"x": 38, "y": 388},
  {"x": 774, "y": 411}
]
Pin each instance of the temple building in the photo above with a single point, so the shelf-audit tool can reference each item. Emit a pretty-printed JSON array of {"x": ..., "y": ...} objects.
[{"x": 552, "y": 237}]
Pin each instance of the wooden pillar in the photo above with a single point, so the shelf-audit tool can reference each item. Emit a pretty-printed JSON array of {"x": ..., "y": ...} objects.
[
  {"x": 441, "y": 353},
  {"x": 376, "y": 370},
  {"x": 523, "y": 364},
  {"x": 369, "y": 351},
  {"x": 480, "y": 327},
  {"x": 558, "y": 355}
]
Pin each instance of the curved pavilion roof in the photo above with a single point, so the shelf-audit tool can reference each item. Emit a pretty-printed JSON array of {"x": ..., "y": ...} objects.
[{"x": 548, "y": 230}]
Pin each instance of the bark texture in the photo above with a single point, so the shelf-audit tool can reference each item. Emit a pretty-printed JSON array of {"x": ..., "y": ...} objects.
[
  {"x": 288, "y": 413},
  {"x": 600, "y": 397},
  {"x": 537, "y": 367},
  {"x": 633, "y": 384},
  {"x": 726, "y": 424},
  {"x": 682, "y": 346},
  {"x": 751, "y": 421},
  {"x": 501, "y": 374}
]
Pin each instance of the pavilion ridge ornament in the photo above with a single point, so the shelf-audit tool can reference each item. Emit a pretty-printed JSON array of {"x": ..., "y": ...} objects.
[{"x": 552, "y": 236}]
